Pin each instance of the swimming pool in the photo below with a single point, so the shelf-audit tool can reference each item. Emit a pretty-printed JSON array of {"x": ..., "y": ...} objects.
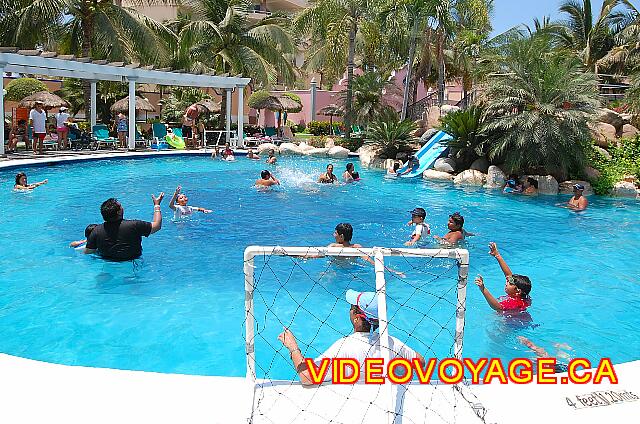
[{"x": 181, "y": 308}]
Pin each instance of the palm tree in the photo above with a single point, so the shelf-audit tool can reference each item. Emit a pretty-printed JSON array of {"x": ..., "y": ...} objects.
[
  {"x": 333, "y": 26},
  {"x": 101, "y": 29},
  {"x": 372, "y": 95},
  {"x": 216, "y": 35},
  {"x": 539, "y": 105},
  {"x": 591, "y": 37}
]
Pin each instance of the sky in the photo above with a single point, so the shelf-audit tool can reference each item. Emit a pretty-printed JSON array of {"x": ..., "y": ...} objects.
[{"x": 509, "y": 13}]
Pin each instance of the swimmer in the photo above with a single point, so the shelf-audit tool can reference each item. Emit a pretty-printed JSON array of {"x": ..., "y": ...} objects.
[
  {"x": 181, "y": 209},
  {"x": 512, "y": 185},
  {"x": 328, "y": 177},
  {"x": 578, "y": 202},
  {"x": 267, "y": 179},
  {"x": 456, "y": 231},
  {"x": 417, "y": 218},
  {"x": 393, "y": 168},
  {"x": 271, "y": 160},
  {"x": 215, "y": 153},
  {"x": 350, "y": 175},
  {"x": 252, "y": 156},
  {"x": 22, "y": 184},
  {"x": 414, "y": 164},
  {"x": 542, "y": 353},
  {"x": 517, "y": 287},
  {"x": 530, "y": 186},
  {"x": 227, "y": 153},
  {"x": 87, "y": 232}
]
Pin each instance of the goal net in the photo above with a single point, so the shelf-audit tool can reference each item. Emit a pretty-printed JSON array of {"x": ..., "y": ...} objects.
[{"x": 420, "y": 296}]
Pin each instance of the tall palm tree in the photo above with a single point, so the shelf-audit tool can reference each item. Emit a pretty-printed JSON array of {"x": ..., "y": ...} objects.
[
  {"x": 98, "y": 28},
  {"x": 589, "y": 36},
  {"x": 539, "y": 105},
  {"x": 216, "y": 35},
  {"x": 372, "y": 95},
  {"x": 333, "y": 27}
]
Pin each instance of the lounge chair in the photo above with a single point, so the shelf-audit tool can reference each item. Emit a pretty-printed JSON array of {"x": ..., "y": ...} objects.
[
  {"x": 140, "y": 139},
  {"x": 101, "y": 136},
  {"x": 356, "y": 131},
  {"x": 79, "y": 139},
  {"x": 159, "y": 131}
]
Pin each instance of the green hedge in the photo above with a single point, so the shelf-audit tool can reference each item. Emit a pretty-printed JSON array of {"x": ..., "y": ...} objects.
[
  {"x": 319, "y": 127},
  {"x": 625, "y": 160}
]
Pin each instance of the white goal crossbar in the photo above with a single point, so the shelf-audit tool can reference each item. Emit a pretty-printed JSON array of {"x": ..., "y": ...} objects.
[{"x": 461, "y": 256}]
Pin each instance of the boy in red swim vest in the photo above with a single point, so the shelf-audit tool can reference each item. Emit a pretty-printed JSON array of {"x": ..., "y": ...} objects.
[{"x": 517, "y": 287}]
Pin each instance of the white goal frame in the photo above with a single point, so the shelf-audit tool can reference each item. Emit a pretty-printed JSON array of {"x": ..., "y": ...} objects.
[{"x": 461, "y": 256}]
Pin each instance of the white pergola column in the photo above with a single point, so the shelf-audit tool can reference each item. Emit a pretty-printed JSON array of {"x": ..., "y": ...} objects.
[
  {"x": 228, "y": 113},
  {"x": 132, "y": 114},
  {"x": 240, "y": 116},
  {"x": 2, "y": 110},
  {"x": 94, "y": 108}
]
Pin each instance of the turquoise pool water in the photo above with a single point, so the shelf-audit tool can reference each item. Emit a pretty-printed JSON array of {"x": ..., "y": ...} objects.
[{"x": 181, "y": 308}]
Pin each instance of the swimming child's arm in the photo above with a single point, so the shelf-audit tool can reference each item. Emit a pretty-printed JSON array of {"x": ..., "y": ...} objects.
[
  {"x": 203, "y": 210},
  {"x": 492, "y": 301},
  {"x": 493, "y": 251},
  {"x": 77, "y": 243},
  {"x": 172, "y": 202}
]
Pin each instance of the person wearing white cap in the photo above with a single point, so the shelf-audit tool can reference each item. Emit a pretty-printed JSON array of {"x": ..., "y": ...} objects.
[
  {"x": 578, "y": 202},
  {"x": 61, "y": 118},
  {"x": 363, "y": 343}
]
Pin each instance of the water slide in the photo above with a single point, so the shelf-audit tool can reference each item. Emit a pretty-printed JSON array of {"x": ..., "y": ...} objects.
[{"x": 428, "y": 154}]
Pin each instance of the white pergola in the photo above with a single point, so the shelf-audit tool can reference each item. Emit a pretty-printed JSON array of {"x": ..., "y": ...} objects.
[{"x": 50, "y": 64}]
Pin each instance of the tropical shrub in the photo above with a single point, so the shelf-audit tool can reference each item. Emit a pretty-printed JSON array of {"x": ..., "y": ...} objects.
[
  {"x": 174, "y": 105},
  {"x": 319, "y": 127},
  {"x": 369, "y": 93},
  {"x": 352, "y": 143},
  {"x": 470, "y": 140},
  {"x": 390, "y": 134},
  {"x": 539, "y": 105},
  {"x": 625, "y": 160},
  {"x": 20, "y": 88}
]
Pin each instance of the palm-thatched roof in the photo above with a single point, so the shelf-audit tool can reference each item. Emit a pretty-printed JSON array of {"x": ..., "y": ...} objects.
[
  {"x": 270, "y": 102},
  {"x": 122, "y": 105},
  {"x": 289, "y": 104},
  {"x": 331, "y": 110},
  {"x": 209, "y": 106},
  {"x": 49, "y": 100}
]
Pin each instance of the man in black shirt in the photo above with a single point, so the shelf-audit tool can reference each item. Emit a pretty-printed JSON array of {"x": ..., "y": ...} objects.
[{"x": 121, "y": 239}]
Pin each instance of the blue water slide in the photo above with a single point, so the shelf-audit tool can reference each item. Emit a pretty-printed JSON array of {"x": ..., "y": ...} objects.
[{"x": 428, "y": 154}]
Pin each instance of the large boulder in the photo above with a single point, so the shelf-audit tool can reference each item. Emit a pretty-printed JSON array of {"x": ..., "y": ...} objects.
[
  {"x": 604, "y": 134},
  {"x": 329, "y": 142},
  {"x": 480, "y": 164},
  {"x": 427, "y": 135},
  {"x": 612, "y": 117},
  {"x": 265, "y": 147},
  {"x": 470, "y": 177},
  {"x": 290, "y": 149},
  {"x": 303, "y": 147},
  {"x": 431, "y": 116},
  {"x": 445, "y": 165},
  {"x": 591, "y": 173},
  {"x": 495, "y": 178},
  {"x": 546, "y": 183},
  {"x": 432, "y": 174},
  {"x": 369, "y": 157},
  {"x": 566, "y": 187},
  {"x": 448, "y": 109},
  {"x": 338, "y": 152},
  {"x": 316, "y": 152},
  {"x": 603, "y": 152},
  {"x": 418, "y": 132},
  {"x": 629, "y": 131},
  {"x": 625, "y": 189}
]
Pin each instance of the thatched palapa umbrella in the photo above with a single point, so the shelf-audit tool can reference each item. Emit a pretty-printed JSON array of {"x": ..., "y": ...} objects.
[
  {"x": 331, "y": 110},
  {"x": 208, "y": 106},
  {"x": 270, "y": 103},
  {"x": 288, "y": 105},
  {"x": 122, "y": 105},
  {"x": 49, "y": 100}
]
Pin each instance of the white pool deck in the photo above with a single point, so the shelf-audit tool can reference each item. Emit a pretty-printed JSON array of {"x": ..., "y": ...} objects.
[{"x": 38, "y": 392}]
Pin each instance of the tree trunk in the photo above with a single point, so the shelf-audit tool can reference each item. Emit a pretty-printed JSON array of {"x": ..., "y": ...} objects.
[
  {"x": 87, "y": 35},
  {"x": 441, "y": 69},
  {"x": 350, "y": 65},
  {"x": 412, "y": 53}
]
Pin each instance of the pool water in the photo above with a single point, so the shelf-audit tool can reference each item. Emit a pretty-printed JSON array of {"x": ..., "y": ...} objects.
[{"x": 180, "y": 309}]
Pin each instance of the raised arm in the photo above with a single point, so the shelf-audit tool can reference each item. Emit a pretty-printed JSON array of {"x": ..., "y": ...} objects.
[
  {"x": 493, "y": 251},
  {"x": 289, "y": 341},
  {"x": 157, "y": 213},
  {"x": 172, "y": 202},
  {"x": 492, "y": 301}
]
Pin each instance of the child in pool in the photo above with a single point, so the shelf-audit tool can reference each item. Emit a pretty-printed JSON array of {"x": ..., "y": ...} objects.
[
  {"x": 22, "y": 184},
  {"x": 456, "y": 231},
  {"x": 417, "y": 218},
  {"x": 517, "y": 287},
  {"x": 181, "y": 209},
  {"x": 80, "y": 243}
]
